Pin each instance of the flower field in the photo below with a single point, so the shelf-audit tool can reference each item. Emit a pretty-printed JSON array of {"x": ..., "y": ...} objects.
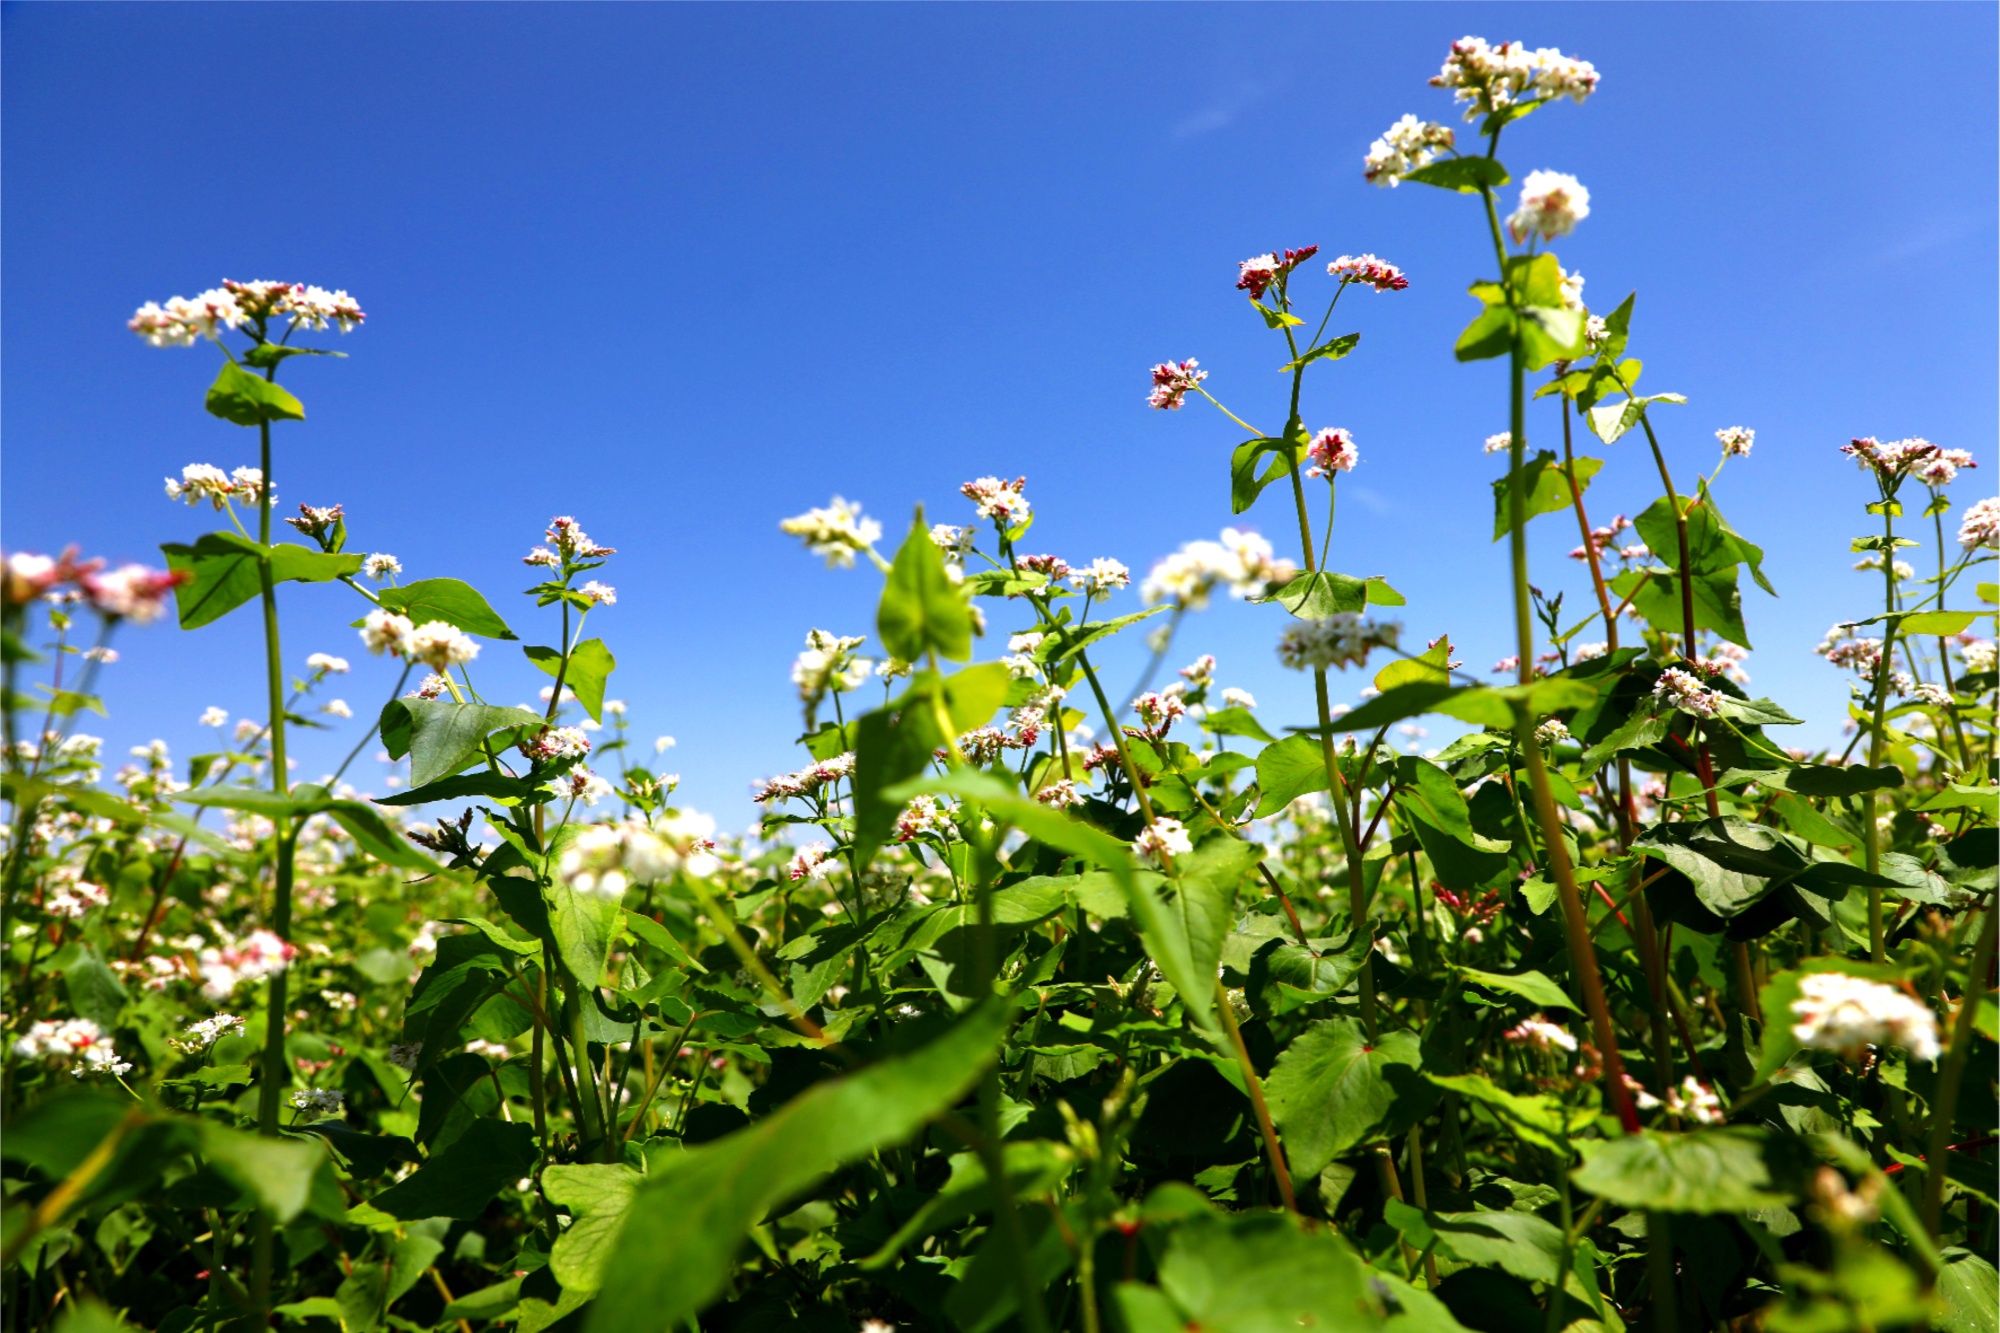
[{"x": 1026, "y": 1004}]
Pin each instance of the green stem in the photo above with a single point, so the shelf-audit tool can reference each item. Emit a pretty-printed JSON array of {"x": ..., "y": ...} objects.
[
  {"x": 1952, "y": 1074},
  {"x": 1871, "y": 836}
]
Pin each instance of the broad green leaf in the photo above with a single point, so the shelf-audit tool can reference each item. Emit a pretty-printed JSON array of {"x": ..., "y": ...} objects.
[
  {"x": 687, "y": 1220},
  {"x": 460, "y": 1181},
  {"x": 1537, "y": 280},
  {"x": 93, "y": 989},
  {"x": 1431, "y": 667},
  {"x": 56, "y": 1135},
  {"x": 1961, "y": 796},
  {"x": 1488, "y": 336},
  {"x": 1547, "y": 486},
  {"x": 1235, "y": 722},
  {"x": 376, "y": 836},
  {"x": 450, "y": 600},
  {"x": 597, "y": 1196},
  {"x": 442, "y": 736},
  {"x": 921, "y": 609},
  {"x": 1756, "y": 712},
  {"x": 1034, "y": 1166},
  {"x": 496, "y": 785},
  {"x": 1718, "y": 602},
  {"x": 278, "y": 1173},
  {"x": 1331, "y": 350},
  {"x": 1276, "y": 319},
  {"x": 590, "y": 665},
  {"x": 1464, "y": 174},
  {"x": 657, "y": 935},
  {"x": 223, "y": 572},
  {"x": 1533, "y": 987},
  {"x": 1260, "y": 1273},
  {"x": 1719, "y": 1170},
  {"x": 250, "y": 400},
  {"x": 1208, "y": 879},
  {"x": 1323, "y": 593},
  {"x": 1289, "y": 769},
  {"x": 1537, "y": 1118},
  {"x": 895, "y": 743},
  {"x": 1554, "y": 333},
  {"x": 265, "y": 355},
  {"x": 1331, "y": 1092},
  {"x": 1818, "y": 779},
  {"x": 1968, "y": 1294},
  {"x": 365, "y": 1296},
  {"x": 585, "y": 927}
]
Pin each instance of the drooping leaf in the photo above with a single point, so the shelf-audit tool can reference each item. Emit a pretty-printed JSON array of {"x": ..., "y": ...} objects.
[
  {"x": 1331, "y": 350},
  {"x": 673, "y": 1255},
  {"x": 1289, "y": 769},
  {"x": 1074, "y": 639},
  {"x": 1546, "y": 484},
  {"x": 1246, "y": 483},
  {"x": 450, "y": 600},
  {"x": 1531, "y": 986},
  {"x": 1467, "y": 175},
  {"x": 250, "y": 400},
  {"x": 460, "y": 1181},
  {"x": 223, "y": 572},
  {"x": 597, "y": 1196},
  {"x": 590, "y": 665},
  {"x": 442, "y": 736},
  {"x": 278, "y": 1173}
]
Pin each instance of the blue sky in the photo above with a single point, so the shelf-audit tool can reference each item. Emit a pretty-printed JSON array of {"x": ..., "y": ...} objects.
[{"x": 682, "y": 271}]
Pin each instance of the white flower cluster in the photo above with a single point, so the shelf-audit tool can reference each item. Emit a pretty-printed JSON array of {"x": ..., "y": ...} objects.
[
  {"x": 1736, "y": 441},
  {"x": 77, "y": 1042},
  {"x": 1684, "y": 691},
  {"x": 1842, "y": 648},
  {"x": 318, "y": 1101},
  {"x": 1898, "y": 457},
  {"x": 204, "y": 1034},
  {"x": 1552, "y": 203},
  {"x": 1342, "y": 639},
  {"x": 205, "y": 481},
  {"x": 1979, "y": 654},
  {"x": 1162, "y": 839},
  {"x": 1492, "y": 78},
  {"x": 808, "y": 779},
  {"x": 1980, "y": 525},
  {"x": 1541, "y": 1034},
  {"x": 1403, "y": 147},
  {"x": 1060, "y": 794},
  {"x": 256, "y": 956},
  {"x": 1694, "y": 1100},
  {"x": 1001, "y": 501},
  {"x": 1101, "y": 576},
  {"x": 834, "y": 533},
  {"x": 812, "y": 861},
  {"x": 74, "y": 895},
  {"x": 436, "y": 644},
  {"x": 828, "y": 663},
  {"x": 1243, "y": 562},
  {"x": 381, "y": 566},
  {"x": 924, "y": 815},
  {"x": 182, "y": 320},
  {"x": 1369, "y": 270},
  {"x": 1846, "y": 1015},
  {"x": 1159, "y": 710},
  {"x": 553, "y": 744},
  {"x": 603, "y": 860}
]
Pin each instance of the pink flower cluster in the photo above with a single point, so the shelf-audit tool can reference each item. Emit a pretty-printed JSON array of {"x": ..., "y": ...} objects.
[
  {"x": 1933, "y": 465},
  {"x": 256, "y": 956},
  {"x": 1002, "y": 501},
  {"x": 807, "y": 780},
  {"x": 182, "y": 320},
  {"x": 130, "y": 592},
  {"x": 1602, "y": 537},
  {"x": 1331, "y": 451},
  {"x": 1257, "y": 273},
  {"x": 1159, "y": 711},
  {"x": 1377, "y": 273},
  {"x": 1171, "y": 382}
]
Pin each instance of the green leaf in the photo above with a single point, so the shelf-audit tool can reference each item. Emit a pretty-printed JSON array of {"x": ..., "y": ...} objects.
[
  {"x": 265, "y": 355},
  {"x": 1289, "y": 769},
  {"x": 597, "y": 1197},
  {"x": 1245, "y": 485},
  {"x": 1968, "y": 1293},
  {"x": 250, "y": 400},
  {"x": 376, "y": 836},
  {"x": 657, "y": 935},
  {"x": 1235, "y": 722},
  {"x": 1533, "y": 987},
  {"x": 278, "y": 1173},
  {"x": 1488, "y": 336},
  {"x": 1537, "y": 1118},
  {"x": 1431, "y": 667},
  {"x": 1554, "y": 333},
  {"x": 450, "y": 600},
  {"x": 365, "y": 1295},
  {"x": 223, "y": 572},
  {"x": 56, "y": 1135},
  {"x": 1276, "y": 319},
  {"x": 460, "y": 1181},
  {"x": 1464, "y": 174},
  {"x": 590, "y": 665},
  {"x": 93, "y": 989},
  {"x": 585, "y": 926},
  {"x": 1723, "y": 1170},
  {"x": 674, "y": 1254},
  {"x": 1547, "y": 487},
  {"x": 921, "y": 609},
  {"x": 1818, "y": 779},
  {"x": 496, "y": 785},
  {"x": 1331, "y": 1091},
  {"x": 1322, "y": 593},
  {"x": 1331, "y": 350},
  {"x": 442, "y": 736},
  {"x": 1260, "y": 1273},
  {"x": 894, "y": 743},
  {"x": 1073, "y": 639}
]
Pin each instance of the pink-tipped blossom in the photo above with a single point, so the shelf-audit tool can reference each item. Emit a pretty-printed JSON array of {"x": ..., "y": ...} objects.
[
  {"x": 1172, "y": 380},
  {"x": 1368, "y": 271},
  {"x": 1683, "y": 691},
  {"x": 1331, "y": 451}
]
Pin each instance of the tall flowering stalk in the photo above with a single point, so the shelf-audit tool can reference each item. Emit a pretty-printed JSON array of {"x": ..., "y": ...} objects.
[{"x": 1531, "y": 318}]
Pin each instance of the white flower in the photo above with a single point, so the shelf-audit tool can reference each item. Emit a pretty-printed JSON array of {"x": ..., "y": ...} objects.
[
  {"x": 256, "y": 956},
  {"x": 583, "y": 785},
  {"x": 1941, "y": 468},
  {"x": 76, "y": 1042},
  {"x": 1059, "y": 794},
  {"x": 1541, "y": 1034},
  {"x": 603, "y": 860},
  {"x": 1491, "y": 78},
  {"x": 405, "y": 1055},
  {"x": 812, "y": 861},
  {"x": 1406, "y": 145},
  {"x": 1551, "y": 731},
  {"x": 1684, "y": 692},
  {"x": 924, "y": 815},
  {"x": 200, "y": 1036},
  {"x": 1163, "y": 838},
  {"x": 1235, "y": 698},
  {"x": 336, "y": 708},
  {"x": 381, "y": 565},
  {"x": 438, "y": 645},
  {"x": 1342, "y": 639},
  {"x": 201, "y": 481},
  {"x": 835, "y": 533},
  {"x": 247, "y": 483},
  {"x": 600, "y": 594},
  {"x": 246, "y": 730},
  {"x": 1377, "y": 273},
  {"x": 1101, "y": 576},
  {"x": 828, "y": 663},
  {"x": 555, "y": 743},
  {"x": 212, "y": 716},
  {"x": 318, "y": 1101},
  {"x": 1980, "y": 525},
  {"x": 1501, "y": 443},
  {"x": 1846, "y": 1015},
  {"x": 385, "y": 632},
  {"x": 182, "y": 320},
  {"x": 662, "y": 744},
  {"x": 1736, "y": 440},
  {"x": 1552, "y": 203},
  {"x": 1572, "y": 290},
  {"x": 327, "y": 662}
]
